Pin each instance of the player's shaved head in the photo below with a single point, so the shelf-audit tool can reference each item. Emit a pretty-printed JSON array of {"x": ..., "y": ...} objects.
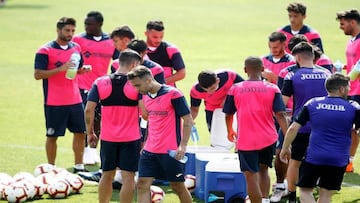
[{"x": 254, "y": 63}]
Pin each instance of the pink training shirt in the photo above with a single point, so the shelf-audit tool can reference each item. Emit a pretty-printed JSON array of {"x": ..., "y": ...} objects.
[
  {"x": 255, "y": 103},
  {"x": 119, "y": 108},
  {"x": 215, "y": 100},
  {"x": 352, "y": 56},
  {"x": 58, "y": 90},
  {"x": 276, "y": 67},
  {"x": 97, "y": 54},
  {"x": 165, "y": 111}
]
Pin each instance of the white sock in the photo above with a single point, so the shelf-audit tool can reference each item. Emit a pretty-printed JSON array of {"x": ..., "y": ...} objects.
[
  {"x": 265, "y": 200},
  {"x": 351, "y": 159},
  {"x": 79, "y": 166}
]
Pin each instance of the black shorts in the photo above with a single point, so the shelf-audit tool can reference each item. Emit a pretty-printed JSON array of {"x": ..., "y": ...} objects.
[
  {"x": 124, "y": 155},
  {"x": 161, "y": 166},
  {"x": 58, "y": 118},
  {"x": 329, "y": 177},
  {"x": 250, "y": 160},
  {"x": 299, "y": 146}
]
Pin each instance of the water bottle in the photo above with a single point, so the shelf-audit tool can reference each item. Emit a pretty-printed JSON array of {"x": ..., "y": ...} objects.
[
  {"x": 194, "y": 134},
  {"x": 338, "y": 66},
  {"x": 172, "y": 153},
  {"x": 355, "y": 71},
  {"x": 71, "y": 71}
]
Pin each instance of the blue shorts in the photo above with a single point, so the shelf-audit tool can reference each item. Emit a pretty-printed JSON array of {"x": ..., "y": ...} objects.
[
  {"x": 328, "y": 177},
  {"x": 299, "y": 146},
  {"x": 250, "y": 160},
  {"x": 84, "y": 96},
  {"x": 161, "y": 166},
  {"x": 58, "y": 118},
  {"x": 124, "y": 155}
]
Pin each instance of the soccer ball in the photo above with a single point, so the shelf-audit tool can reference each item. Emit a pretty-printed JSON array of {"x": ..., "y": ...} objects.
[
  {"x": 59, "y": 189},
  {"x": 46, "y": 178},
  {"x": 60, "y": 171},
  {"x": 43, "y": 168},
  {"x": 75, "y": 181},
  {"x": 40, "y": 188},
  {"x": 157, "y": 194},
  {"x": 15, "y": 193},
  {"x": 190, "y": 183},
  {"x": 5, "y": 180},
  {"x": 23, "y": 176},
  {"x": 29, "y": 187}
]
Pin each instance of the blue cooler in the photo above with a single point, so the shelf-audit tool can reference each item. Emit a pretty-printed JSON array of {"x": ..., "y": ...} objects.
[
  {"x": 192, "y": 150},
  {"x": 201, "y": 160},
  {"x": 224, "y": 181}
]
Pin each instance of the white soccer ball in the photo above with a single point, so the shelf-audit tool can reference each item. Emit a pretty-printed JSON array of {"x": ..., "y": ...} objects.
[
  {"x": 43, "y": 168},
  {"x": 40, "y": 188},
  {"x": 190, "y": 182},
  {"x": 29, "y": 187},
  {"x": 23, "y": 176},
  {"x": 5, "y": 180},
  {"x": 59, "y": 189},
  {"x": 46, "y": 178},
  {"x": 75, "y": 181},
  {"x": 157, "y": 194},
  {"x": 15, "y": 193},
  {"x": 60, "y": 171}
]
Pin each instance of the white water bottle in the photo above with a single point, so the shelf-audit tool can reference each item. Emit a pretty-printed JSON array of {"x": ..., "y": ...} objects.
[
  {"x": 172, "y": 153},
  {"x": 194, "y": 134},
  {"x": 338, "y": 66},
  {"x": 71, "y": 71}
]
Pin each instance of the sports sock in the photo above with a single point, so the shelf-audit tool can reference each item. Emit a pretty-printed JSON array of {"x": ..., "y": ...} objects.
[
  {"x": 79, "y": 166},
  {"x": 351, "y": 159},
  {"x": 292, "y": 196}
]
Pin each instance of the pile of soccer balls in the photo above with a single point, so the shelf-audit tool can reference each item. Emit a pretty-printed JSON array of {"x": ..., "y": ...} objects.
[{"x": 23, "y": 186}]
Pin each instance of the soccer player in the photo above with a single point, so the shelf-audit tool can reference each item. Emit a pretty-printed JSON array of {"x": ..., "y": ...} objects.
[
  {"x": 120, "y": 138},
  {"x": 332, "y": 118},
  {"x": 97, "y": 50},
  {"x": 62, "y": 100},
  {"x": 170, "y": 124},
  {"x": 321, "y": 60},
  {"x": 274, "y": 63},
  {"x": 350, "y": 24},
  {"x": 297, "y": 15},
  {"x": 303, "y": 84},
  {"x": 121, "y": 37},
  {"x": 212, "y": 87},
  {"x": 156, "y": 70},
  {"x": 164, "y": 53},
  {"x": 255, "y": 101},
  {"x": 278, "y": 59}
]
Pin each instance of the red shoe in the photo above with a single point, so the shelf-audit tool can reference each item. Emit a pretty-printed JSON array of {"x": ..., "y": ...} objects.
[{"x": 349, "y": 168}]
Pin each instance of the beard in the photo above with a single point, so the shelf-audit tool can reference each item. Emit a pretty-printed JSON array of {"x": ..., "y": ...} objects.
[{"x": 65, "y": 38}]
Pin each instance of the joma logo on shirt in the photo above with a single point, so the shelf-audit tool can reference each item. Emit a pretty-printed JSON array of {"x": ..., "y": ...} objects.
[
  {"x": 331, "y": 107},
  {"x": 313, "y": 76}
]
